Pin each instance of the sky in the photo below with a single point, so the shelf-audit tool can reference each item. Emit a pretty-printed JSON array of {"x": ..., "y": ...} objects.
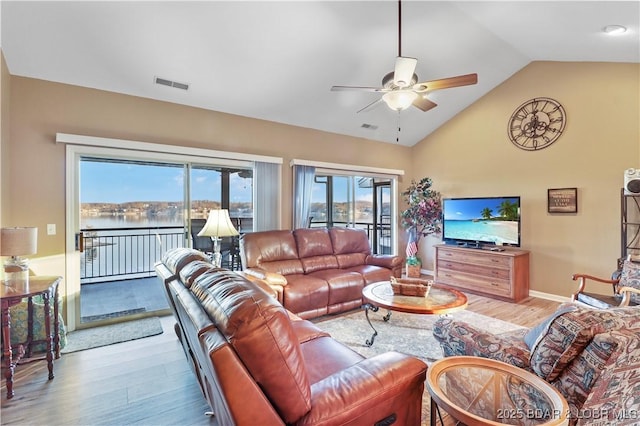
[
  {"x": 103, "y": 182},
  {"x": 106, "y": 182},
  {"x": 471, "y": 208}
]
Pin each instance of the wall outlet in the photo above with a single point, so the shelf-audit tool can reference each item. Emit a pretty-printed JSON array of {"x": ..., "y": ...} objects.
[{"x": 51, "y": 229}]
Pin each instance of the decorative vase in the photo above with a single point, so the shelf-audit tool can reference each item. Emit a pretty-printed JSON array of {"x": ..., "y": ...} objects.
[{"x": 413, "y": 266}]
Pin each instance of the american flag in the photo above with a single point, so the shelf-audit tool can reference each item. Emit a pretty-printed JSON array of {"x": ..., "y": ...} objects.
[{"x": 412, "y": 244}]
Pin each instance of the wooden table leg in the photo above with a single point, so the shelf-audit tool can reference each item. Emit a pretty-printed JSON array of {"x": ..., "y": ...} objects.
[
  {"x": 47, "y": 331},
  {"x": 8, "y": 353},
  {"x": 56, "y": 323}
]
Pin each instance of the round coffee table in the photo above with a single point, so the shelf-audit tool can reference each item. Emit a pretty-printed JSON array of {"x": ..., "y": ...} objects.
[
  {"x": 440, "y": 300},
  {"x": 482, "y": 391}
]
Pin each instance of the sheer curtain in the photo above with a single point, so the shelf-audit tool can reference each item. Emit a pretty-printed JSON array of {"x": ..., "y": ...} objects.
[
  {"x": 266, "y": 196},
  {"x": 302, "y": 186}
]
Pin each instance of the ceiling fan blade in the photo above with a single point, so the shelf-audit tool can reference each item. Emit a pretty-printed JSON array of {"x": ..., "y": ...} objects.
[
  {"x": 403, "y": 72},
  {"x": 357, "y": 88},
  {"x": 424, "y": 104},
  {"x": 446, "y": 83},
  {"x": 371, "y": 106}
]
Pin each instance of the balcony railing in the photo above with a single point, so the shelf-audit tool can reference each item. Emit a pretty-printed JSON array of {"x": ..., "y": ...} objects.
[
  {"x": 124, "y": 253},
  {"x": 121, "y": 253}
]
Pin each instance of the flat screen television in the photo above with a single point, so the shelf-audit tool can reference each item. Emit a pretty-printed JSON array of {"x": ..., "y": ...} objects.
[{"x": 476, "y": 222}]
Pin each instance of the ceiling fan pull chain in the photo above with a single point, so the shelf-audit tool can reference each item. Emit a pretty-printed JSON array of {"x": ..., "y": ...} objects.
[{"x": 398, "y": 136}]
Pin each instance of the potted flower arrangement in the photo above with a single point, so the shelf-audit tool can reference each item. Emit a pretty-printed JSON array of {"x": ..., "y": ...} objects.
[{"x": 422, "y": 217}]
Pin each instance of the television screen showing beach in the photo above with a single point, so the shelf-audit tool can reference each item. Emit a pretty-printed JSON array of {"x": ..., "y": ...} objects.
[{"x": 489, "y": 220}]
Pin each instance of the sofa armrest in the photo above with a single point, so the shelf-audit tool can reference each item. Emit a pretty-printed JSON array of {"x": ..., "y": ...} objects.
[
  {"x": 270, "y": 290},
  {"x": 271, "y": 278},
  {"x": 369, "y": 391},
  {"x": 388, "y": 261},
  {"x": 275, "y": 282},
  {"x": 461, "y": 338}
]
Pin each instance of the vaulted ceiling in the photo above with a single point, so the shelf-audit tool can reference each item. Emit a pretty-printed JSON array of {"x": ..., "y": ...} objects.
[{"x": 278, "y": 60}]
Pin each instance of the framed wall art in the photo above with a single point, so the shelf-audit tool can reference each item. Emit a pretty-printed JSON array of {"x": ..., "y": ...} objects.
[{"x": 562, "y": 200}]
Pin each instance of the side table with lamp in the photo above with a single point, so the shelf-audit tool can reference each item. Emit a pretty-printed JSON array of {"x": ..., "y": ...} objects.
[
  {"x": 16, "y": 286},
  {"x": 218, "y": 225}
]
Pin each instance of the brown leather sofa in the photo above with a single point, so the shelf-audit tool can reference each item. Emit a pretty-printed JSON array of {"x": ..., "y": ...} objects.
[
  {"x": 316, "y": 271},
  {"x": 258, "y": 364}
]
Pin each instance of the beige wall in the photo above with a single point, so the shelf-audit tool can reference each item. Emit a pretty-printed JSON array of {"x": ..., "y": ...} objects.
[
  {"x": 40, "y": 109},
  {"x": 472, "y": 156},
  {"x": 469, "y": 156}
]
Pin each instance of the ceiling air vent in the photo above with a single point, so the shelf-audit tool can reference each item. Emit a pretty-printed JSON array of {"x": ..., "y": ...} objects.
[
  {"x": 177, "y": 85},
  {"x": 369, "y": 126}
]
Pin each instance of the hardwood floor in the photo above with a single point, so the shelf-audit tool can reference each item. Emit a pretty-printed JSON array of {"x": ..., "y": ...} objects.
[{"x": 148, "y": 381}]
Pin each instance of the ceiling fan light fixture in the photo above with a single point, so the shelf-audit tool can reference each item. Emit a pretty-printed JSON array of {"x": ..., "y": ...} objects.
[
  {"x": 614, "y": 29},
  {"x": 399, "y": 100}
]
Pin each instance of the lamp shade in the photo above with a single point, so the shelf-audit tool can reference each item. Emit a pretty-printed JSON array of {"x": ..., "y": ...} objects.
[
  {"x": 399, "y": 99},
  {"x": 218, "y": 225},
  {"x": 18, "y": 241}
]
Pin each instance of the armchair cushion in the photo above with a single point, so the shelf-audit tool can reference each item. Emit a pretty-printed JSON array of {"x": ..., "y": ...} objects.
[
  {"x": 567, "y": 335},
  {"x": 534, "y": 335},
  {"x": 578, "y": 378}
]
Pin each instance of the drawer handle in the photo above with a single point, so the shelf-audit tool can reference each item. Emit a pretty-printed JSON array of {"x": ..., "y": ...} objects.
[
  {"x": 495, "y": 284},
  {"x": 495, "y": 260}
]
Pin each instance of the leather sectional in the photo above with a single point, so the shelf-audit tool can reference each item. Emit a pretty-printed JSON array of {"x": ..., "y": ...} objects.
[{"x": 258, "y": 364}]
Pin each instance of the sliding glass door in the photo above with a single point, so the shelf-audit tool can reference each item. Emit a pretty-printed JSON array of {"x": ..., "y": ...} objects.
[
  {"x": 126, "y": 210},
  {"x": 131, "y": 212}
]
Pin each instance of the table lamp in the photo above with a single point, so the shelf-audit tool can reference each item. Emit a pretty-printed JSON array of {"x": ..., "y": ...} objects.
[
  {"x": 218, "y": 225},
  {"x": 16, "y": 242}
]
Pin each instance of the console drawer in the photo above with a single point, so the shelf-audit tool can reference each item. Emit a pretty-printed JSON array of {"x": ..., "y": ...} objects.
[
  {"x": 476, "y": 257},
  {"x": 495, "y": 272},
  {"x": 475, "y": 283}
]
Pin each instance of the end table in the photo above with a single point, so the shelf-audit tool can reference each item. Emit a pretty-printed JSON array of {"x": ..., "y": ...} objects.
[{"x": 47, "y": 287}]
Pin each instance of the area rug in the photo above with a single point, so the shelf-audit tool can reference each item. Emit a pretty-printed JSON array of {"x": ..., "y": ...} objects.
[
  {"x": 407, "y": 333},
  {"x": 89, "y": 338}
]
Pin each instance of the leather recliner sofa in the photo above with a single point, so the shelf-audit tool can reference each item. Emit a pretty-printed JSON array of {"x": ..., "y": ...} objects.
[
  {"x": 316, "y": 271},
  {"x": 258, "y": 364}
]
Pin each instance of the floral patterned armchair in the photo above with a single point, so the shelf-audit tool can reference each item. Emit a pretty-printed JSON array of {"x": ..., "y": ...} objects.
[{"x": 590, "y": 355}]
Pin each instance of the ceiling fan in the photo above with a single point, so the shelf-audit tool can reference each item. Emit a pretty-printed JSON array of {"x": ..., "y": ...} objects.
[{"x": 401, "y": 87}]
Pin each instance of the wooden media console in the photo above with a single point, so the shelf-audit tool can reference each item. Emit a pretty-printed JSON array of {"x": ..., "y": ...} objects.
[{"x": 500, "y": 274}]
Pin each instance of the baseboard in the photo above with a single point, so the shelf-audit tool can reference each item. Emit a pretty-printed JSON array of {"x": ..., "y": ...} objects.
[{"x": 549, "y": 296}]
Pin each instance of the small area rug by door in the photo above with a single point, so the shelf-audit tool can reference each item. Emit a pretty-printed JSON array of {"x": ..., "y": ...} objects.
[
  {"x": 95, "y": 337},
  {"x": 407, "y": 333}
]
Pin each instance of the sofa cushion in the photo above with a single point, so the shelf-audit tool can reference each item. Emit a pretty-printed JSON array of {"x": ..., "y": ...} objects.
[
  {"x": 318, "y": 263},
  {"x": 306, "y": 295},
  {"x": 532, "y": 337},
  {"x": 260, "y": 331},
  {"x": 274, "y": 251},
  {"x": 566, "y": 336},
  {"x": 344, "y": 286},
  {"x": 349, "y": 260},
  {"x": 349, "y": 240},
  {"x": 313, "y": 242},
  {"x": 178, "y": 258},
  {"x": 577, "y": 380},
  {"x": 371, "y": 273},
  {"x": 193, "y": 270}
]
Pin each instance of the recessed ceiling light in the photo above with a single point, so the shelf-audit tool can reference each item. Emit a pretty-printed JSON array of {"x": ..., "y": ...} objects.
[{"x": 614, "y": 29}]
